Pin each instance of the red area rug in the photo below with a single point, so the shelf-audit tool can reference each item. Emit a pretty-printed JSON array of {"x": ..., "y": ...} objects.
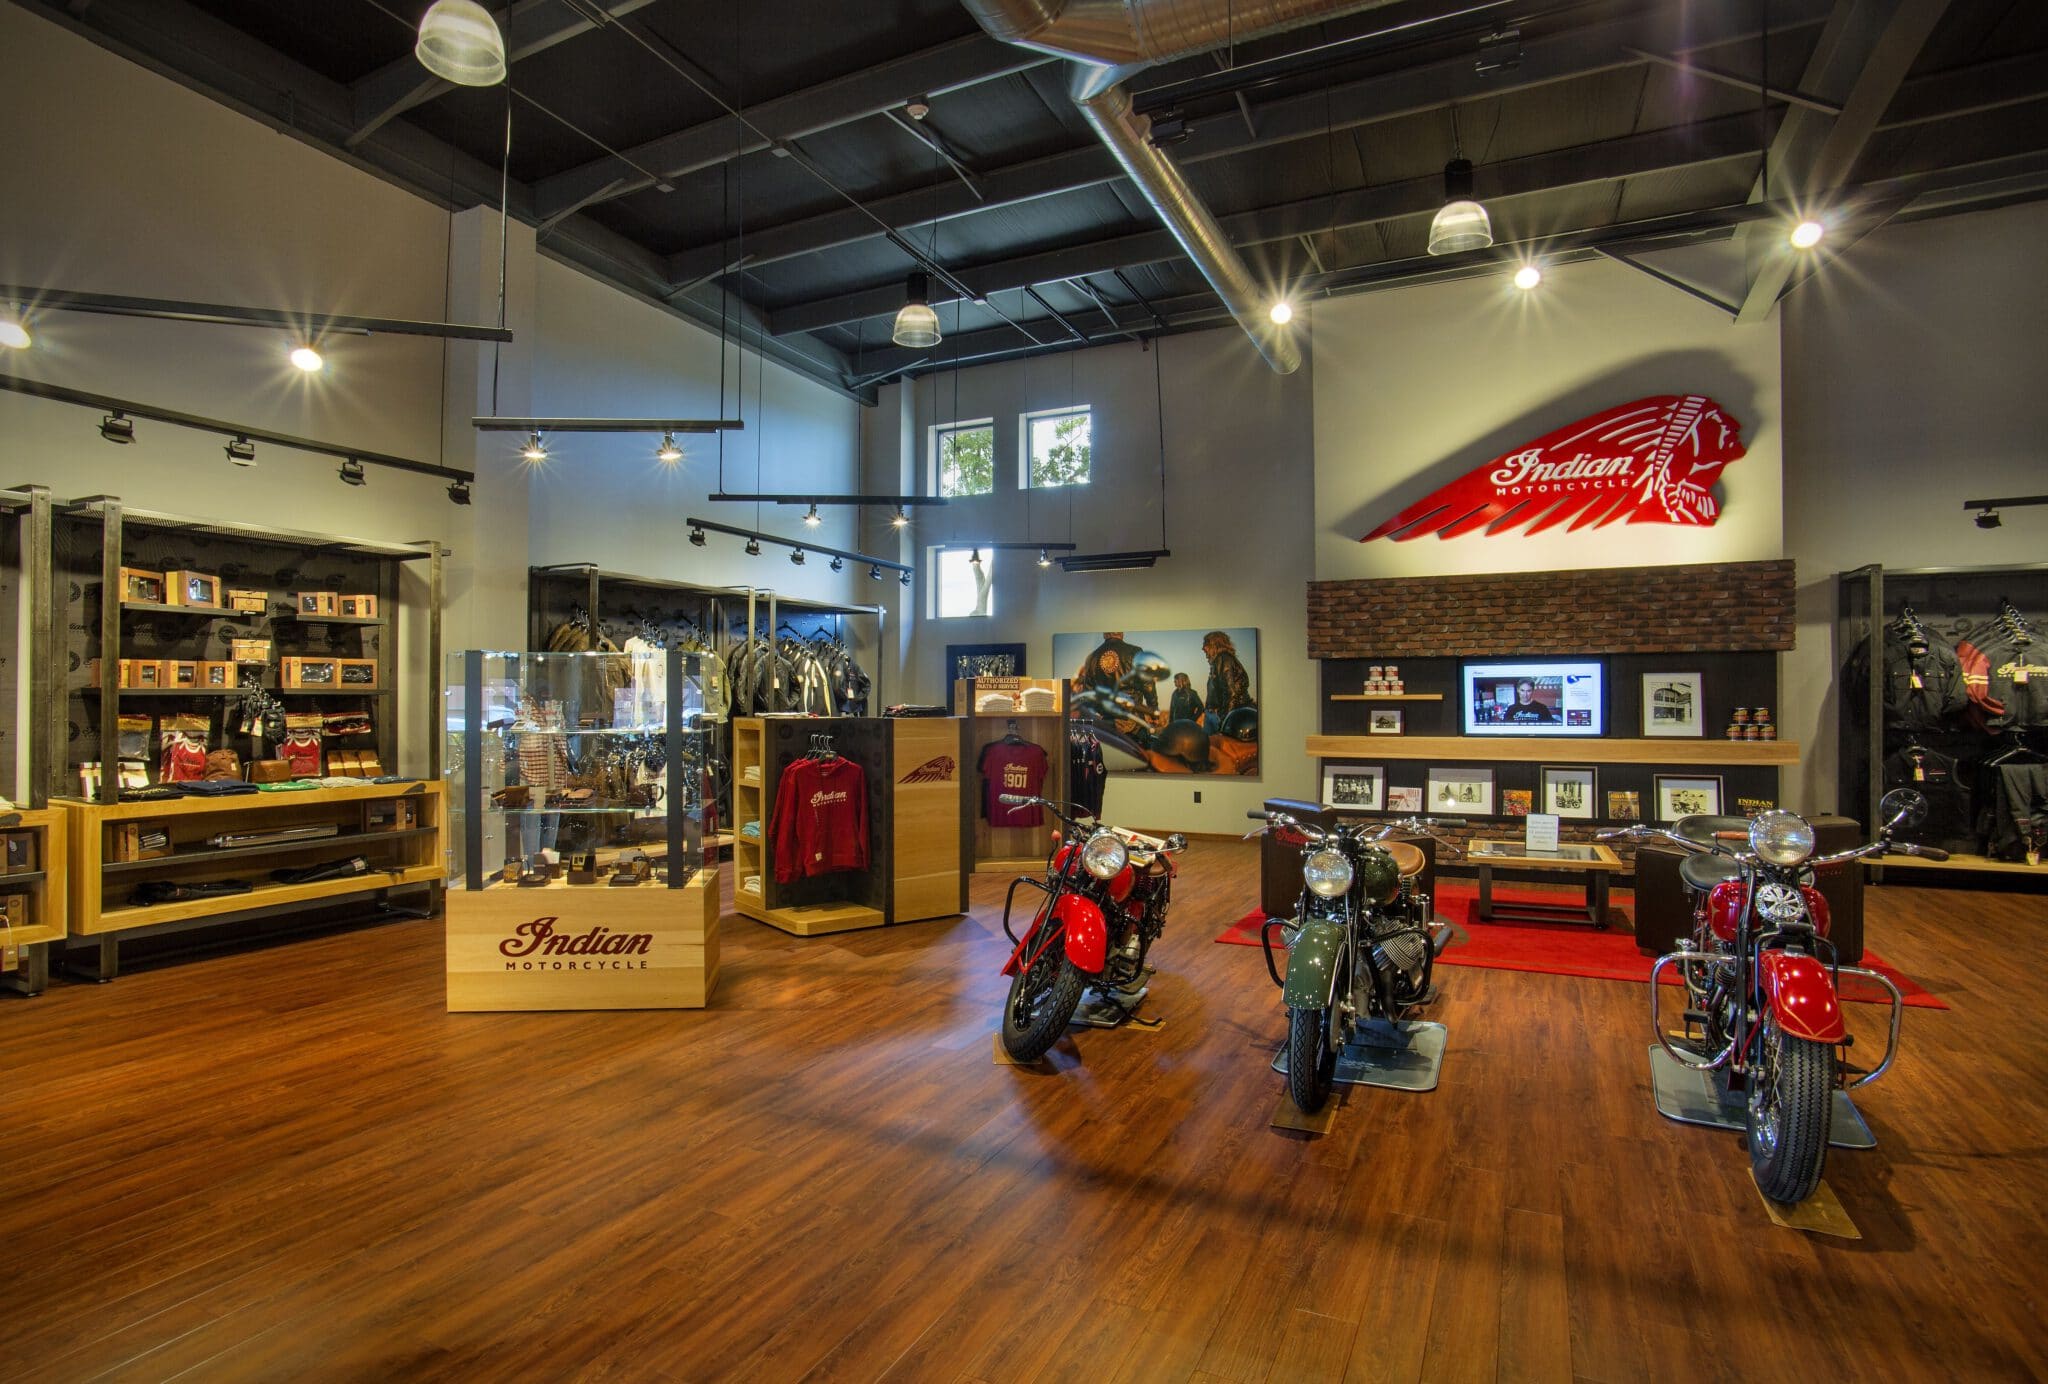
[{"x": 1564, "y": 949}]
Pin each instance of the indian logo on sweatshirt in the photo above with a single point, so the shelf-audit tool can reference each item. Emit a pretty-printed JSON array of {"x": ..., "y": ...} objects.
[
  {"x": 821, "y": 798},
  {"x": 936, "y": 770}
]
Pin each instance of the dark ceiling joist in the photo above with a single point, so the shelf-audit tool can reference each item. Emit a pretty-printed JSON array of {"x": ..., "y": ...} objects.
[
  {"x": 529, "y": 27},
  {"x": 949, "y": 66},
  {"x": 1731, "y": 137},
  {"x": 1561, "y": 57},
  {"x": 1864, "y": 53}
]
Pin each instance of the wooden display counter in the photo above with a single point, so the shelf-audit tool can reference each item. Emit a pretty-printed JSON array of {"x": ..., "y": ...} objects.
[
  {"x": 394, "y": 827},
  {"x": 1009, "y": 850},
  {"x": 32, "y": 899},
  {"x": 586, "y": 946}
]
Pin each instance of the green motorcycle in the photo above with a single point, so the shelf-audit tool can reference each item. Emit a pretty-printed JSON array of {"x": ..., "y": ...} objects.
[{"x": 1363, "y": 941}]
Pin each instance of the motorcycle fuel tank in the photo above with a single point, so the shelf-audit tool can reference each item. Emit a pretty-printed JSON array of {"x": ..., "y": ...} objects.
[{"x": 1731, "y": 896}]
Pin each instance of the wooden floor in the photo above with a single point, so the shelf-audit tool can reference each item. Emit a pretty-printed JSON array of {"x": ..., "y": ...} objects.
[{"x": 291, "y": 1164}]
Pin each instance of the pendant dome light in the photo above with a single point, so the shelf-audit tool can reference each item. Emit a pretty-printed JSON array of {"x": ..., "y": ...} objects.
[
  {"x": 1461, "y": 223},
  {"x": 459, "y": 42},
  {"x": 917, "y": 326}
]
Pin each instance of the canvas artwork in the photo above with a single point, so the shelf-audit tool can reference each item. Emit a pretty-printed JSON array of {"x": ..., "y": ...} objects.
[
  {"x": 1517, "y": 802},
  {"x": 1166, "y": 701},
  {"x": 982, "y": 661}
]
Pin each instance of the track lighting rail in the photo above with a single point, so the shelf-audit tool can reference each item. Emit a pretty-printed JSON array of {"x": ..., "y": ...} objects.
[
  {"x": 232, "y": 315},
  {"x": 609, "y": 425},
  {"x": 899, "y": 501},
  {"x": 799, "y": 545}
]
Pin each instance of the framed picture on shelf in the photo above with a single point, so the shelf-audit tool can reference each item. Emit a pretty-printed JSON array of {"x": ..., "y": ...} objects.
[
  {"x": 1404, "y": 800},
  {"x": 1460, "y": 792},
  {"x": 1569, "y": 792},
  {"x": 1517, "y": 802},
  {"x": 1672, "y": 705},
  {"x": 1624, "y": 805},
  {"x": 1687, "y": 795},
  {"x": 1354, "y": 785},
  {"x": 1384, "y": 720}
]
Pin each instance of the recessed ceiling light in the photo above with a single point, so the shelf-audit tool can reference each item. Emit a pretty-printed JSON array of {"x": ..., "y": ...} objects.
[
  {"x": 1527, "y": 277},
  {"x": 1282, "y": 312},
  {"x": 307, "y": 359},
  {"x": 13, "y": 330},
  {"x": 1807, "y": 234}
]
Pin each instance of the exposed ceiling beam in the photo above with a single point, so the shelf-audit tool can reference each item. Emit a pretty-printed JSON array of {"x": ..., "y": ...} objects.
[
  {"x": 529, "y": 27},
  {"x": 948, "y": 66},
  {"x": 1560, "y": 57},
  {"x": 1864, "y": 53},
  {"x": 1731, "y": 137}
]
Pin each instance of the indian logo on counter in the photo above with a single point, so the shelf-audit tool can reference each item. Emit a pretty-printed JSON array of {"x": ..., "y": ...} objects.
[
  {"x": 533, "y": 942},
  {"x": 1653, "y": 461},
  {"x": 937, "y": 770}
]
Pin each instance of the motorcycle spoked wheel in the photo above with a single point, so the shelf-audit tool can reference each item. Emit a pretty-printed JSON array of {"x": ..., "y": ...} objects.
[
  {"x": 1312, "y": 1047},
  {"x": 1791, "y": 1104},
  {"x": 1042, "y": 1000}
]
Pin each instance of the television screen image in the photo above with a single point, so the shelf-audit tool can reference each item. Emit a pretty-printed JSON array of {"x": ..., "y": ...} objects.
[{"x": 1535, "y": 697}]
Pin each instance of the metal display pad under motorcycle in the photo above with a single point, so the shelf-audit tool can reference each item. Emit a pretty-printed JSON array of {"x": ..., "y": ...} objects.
[
  {"x": 1112, "y": 1008},
  {"x": 1703, "y": 1098},
  {"x": 1395, "y": 1055}
]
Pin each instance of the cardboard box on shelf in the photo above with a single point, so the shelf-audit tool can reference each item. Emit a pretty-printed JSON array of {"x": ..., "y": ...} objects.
[
  {"x": 317, "y": 603},
  {"x": 192, "y": 589},
  {"x": 391, "y": 814},
  {"x": 249, "y": 650},
  {"x": 357, "y": 672},
  {"x": 299, "y": 672},
  {"x": 358, "y": 607},
  {"x": 248, "y": 602},
  {"x": 140, "y": 585}
]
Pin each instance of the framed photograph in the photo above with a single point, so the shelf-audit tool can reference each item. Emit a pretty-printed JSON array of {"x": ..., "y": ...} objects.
[
  {"x": 1687, "y": 795},
  {"x": 1517, "y": 802},
  {"x": 1569, "y": 792},
  {"x": 1624, "y": 805},
  {"x": 1354, "y": 785},
  {"x": 965, "y": 661},
  {"x": 1406, "y": 801},
  {"x": 1129, "y": 685},
  {"x": 1672, "y": 704},
  {"x": 1384, "y": 720},
  {"x": 1460, "y": 792}
]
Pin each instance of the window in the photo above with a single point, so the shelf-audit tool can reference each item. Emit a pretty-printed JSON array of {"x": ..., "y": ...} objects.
[
  {"x": 1057, "y": 447},
  {"x": 963, "y": 458},
  {"x": 963, "y": 583}
]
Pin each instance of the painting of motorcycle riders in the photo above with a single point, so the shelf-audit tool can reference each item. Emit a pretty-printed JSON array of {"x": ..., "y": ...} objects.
[{"x": 1166, "y": 701}]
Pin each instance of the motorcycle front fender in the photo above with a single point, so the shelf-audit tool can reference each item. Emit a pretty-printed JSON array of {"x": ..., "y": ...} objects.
[
  {"x": 1087, "y": 932},
  {"x": 1312, "y": 963},
  {"x": 1801, "y": 993}
]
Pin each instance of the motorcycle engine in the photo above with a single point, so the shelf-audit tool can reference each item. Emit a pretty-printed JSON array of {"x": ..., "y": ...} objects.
[{"x": 1399, "y": 949}]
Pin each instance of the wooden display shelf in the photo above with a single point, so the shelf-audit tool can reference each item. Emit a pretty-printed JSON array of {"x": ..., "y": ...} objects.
[
  {"x": 1386, "y": 696},
  {"x": 211, "y": 612},
  {"x": 297, "y": 618},
  {"x": 810, "y": 920},
  {"x": 43, "y": 885},
  {"x": 1553, "y": 749},
  {"x": 210, "y": 854},
  {"x": 262, "y": 896},
  {"x": 1975, "y": 864}
]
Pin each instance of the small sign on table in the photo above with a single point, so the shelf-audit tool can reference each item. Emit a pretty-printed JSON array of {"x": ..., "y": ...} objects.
[{"x": 1542, "y": 833}]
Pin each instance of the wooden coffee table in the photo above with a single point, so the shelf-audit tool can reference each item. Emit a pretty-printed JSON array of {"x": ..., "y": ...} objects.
[{"x": 1593, "y": 860}]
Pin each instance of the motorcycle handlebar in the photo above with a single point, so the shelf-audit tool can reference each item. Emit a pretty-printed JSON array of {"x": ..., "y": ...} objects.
[
  {"x": 1924, "y": 852},
  {"x": 1014, "y": 799}
]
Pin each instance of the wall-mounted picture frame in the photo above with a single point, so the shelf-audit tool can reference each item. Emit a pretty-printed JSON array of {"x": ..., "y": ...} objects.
[
  {"x": 1384, "y": 720},
  {"x": 1459, "y": 792},
  {"x": 1624, "y": 805},
  {"x": 1569, "y": 791},
  {"x": 1673, "y": 705},
  {"x": 1687, "y": 795},
  {"x": 1359, "y": 786},
  {"x": 1406, "y": 801}
]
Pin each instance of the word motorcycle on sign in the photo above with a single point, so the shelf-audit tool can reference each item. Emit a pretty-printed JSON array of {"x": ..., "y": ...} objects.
[{"x": 1653, "y": 461}]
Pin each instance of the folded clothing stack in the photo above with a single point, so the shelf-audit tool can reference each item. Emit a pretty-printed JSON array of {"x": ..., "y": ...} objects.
[
  {"x": 752, "y": 775},
  {"x": 1038, "y": 699},
  {"x": 995, "y": 704},
  {"x": 751, "y": 885},
  {"x": 752, "y": 829}
]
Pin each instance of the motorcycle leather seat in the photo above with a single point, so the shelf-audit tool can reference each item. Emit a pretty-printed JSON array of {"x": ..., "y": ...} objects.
[
  {"x": 1704, "y": 829},
  {"x": 1702, "y": 872},
  {"x": 1408, "y": 857}
]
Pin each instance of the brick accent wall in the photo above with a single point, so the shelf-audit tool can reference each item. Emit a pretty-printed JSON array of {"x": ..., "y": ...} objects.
[{"x": 1720, "y": 606}]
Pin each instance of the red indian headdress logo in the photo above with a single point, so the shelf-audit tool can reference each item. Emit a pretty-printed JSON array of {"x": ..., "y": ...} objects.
[
  {"x": 935, "y": 770},
  {"x": 1653, "y": 461}
]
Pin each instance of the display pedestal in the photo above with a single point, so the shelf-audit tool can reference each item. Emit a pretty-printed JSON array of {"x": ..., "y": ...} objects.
[
  {"x": 1398, "y": 1055},
  {"x": 1110, "y": 1008},
  {"x": 1703, "y": 1098},
  {"x": 587, "y": 946}
]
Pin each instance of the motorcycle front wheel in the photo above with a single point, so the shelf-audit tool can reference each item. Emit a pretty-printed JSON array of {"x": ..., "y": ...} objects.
[
  {"x": 1311, "y": 1058},
  {"x": 1041, "y": 1002},
  {"x": 1791, "y": 1104}
]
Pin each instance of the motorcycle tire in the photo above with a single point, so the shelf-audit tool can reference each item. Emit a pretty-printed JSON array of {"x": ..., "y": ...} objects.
[
  {"x": 1790, "y": 1108},
  {"x": 1031, "y": 1041},
  {"x": 1311, "y": 1060}
]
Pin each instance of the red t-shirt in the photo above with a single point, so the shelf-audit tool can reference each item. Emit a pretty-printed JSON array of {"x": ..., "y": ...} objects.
[
  {"x": 1012, "y": 766},
  {"x": 821, "y": 819}
]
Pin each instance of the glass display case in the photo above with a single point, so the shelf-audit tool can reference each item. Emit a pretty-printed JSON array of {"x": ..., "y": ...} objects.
[{"x": 579, "y": 769}]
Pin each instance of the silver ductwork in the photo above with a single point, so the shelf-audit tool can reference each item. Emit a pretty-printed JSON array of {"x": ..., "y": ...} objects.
[{"x": 1110, "y": 40}]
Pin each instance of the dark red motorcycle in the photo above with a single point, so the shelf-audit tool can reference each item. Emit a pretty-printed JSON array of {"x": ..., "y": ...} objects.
[
  {"x": 1106, "y": 894},
  {"x": 1763, "y": 1013}
]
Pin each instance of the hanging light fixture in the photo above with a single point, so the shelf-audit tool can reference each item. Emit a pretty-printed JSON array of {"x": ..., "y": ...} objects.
[
  {"x": 874, "y": 573},
  {"x": 459, "y": 42},
  {"x": 1282, "y": 312},
  {"x": 812, "y": 518},
  {"x": 351, "y": 472},
  {"x": 796, "y": 557},
  {"x": 917, "y": 326},
  {"x": 241, "y": 451},
  {"x": 14, "y": 329},
  {"x": 753, "y": 547},
  {"x": 669, "y": 452},
  {"x": 458, "y": 492},
  {"x": 902, "y": 518},
  {"x": 1527, "y": 277},
  {"x": 1461, "y": 223},
  {"x": 306, "y": 358},
  {"x": 118, "y": 427},
  {"x": 1044, "y": 558},
  {"x": 839, "y": 564},
  {"x": 696, "y": 538},
  {"x": 974, "y": 558},
  {"x": 905, "y": 579},
  {"x": 1807, "y": 234},
  {"x": 535, "y": 449}
]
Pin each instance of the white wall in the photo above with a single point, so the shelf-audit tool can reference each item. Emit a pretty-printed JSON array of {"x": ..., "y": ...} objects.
[
  {"x": 1417, "y": 386},
  {"x": 1238, "y": 492},
  {"x": 1914, "y": 371}
]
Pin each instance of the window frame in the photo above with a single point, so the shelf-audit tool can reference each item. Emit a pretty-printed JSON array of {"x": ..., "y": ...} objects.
[
  {"x": 935, "y": 431},
  {"x": 1024, "y": 422},
  {"x": 934, "y": 555}
]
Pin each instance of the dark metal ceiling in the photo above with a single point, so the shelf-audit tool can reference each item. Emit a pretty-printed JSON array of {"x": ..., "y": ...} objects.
[{"x": 1321, "y": 151}]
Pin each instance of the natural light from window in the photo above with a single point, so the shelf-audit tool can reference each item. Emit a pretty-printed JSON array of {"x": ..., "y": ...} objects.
[
  {"x": 1058, "y": 447},
  {"x": 963, "y": 458},
  {"x": 963, "y": 583}
]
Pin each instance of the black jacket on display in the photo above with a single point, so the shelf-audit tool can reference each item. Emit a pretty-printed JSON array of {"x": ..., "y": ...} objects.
[
  {"x": 2019, "y": 814},
  {"x": 1922, "y": 681},
  {"x": 1933, "y": 773}
]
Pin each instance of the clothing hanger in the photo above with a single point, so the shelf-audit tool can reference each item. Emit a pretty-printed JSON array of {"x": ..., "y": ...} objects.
[{"x": 1011, "y": 736}]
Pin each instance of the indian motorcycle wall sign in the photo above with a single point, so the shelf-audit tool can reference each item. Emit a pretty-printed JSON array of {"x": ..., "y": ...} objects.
[{"x": 1653, "y": 461}]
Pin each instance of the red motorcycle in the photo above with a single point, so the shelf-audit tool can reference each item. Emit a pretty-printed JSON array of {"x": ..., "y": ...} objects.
[
  {"x": 1762, "y": 982},
  {"x": 1106, "y": 894}
]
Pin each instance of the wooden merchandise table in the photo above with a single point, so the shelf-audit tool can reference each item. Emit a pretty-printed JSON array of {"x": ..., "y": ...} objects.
[
  {"x": 101, "y": 886},
  {"x": 1595, "y": 861},
  {"x": 34, "y": 893}
]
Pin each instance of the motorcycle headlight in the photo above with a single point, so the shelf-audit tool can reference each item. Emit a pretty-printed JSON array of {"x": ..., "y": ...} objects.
[
  {"x": 1782, "y": 838},
  {"x": 1327, "y": 873},
  {"x": 1104, "y": 856}
]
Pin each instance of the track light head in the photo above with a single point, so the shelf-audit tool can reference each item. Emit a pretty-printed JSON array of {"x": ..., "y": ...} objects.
[
  {"x": 838, "y": 564},
  {"x": 1527, "y": 277},
  {"x": 306, "y": 358},
  {"x": 902, "y": 519},
  {"x": 118, "y": 427},
  {"x": 535, "y": 450},
  {"x": 458, "y": 492},
  {"x": 1044, "y": 558},
  {"x": 696, "y": 538},
  {"x": 796, "y": 557},
  {"x": 241, "y": 451},
  {"x": 753, "y": 547},
  {"x": 905, "y": 579},
  {"x": 14, "y": 329},
  {"x": 875, "y": 573},
  {"x": 668, "y": 451},
  {"x": 352, "y": 473},
  {"x": 811, "y": 516},
  {"x": 974, "y": 558},
  {"x": 1988, "y": 518}
]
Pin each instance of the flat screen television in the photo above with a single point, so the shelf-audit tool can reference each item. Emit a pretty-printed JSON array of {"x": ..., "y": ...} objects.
[{"x": 1536, "y": 696}]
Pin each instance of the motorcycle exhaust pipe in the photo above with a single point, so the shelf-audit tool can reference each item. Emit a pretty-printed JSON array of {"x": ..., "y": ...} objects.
[{"x": 1439, "y": 938}]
